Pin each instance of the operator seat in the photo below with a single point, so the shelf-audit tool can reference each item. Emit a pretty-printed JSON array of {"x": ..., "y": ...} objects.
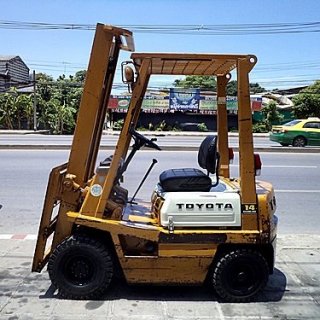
[{"x": 191, "y": 179}]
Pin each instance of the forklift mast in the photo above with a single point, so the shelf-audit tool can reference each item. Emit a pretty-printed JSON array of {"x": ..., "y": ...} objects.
[{"x": 67, "y": 181}]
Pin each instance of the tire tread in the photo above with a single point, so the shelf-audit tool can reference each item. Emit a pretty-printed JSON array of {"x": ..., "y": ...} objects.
[
  {"x": 223, "y": 262},
  {"x": 77, "y": 241}
]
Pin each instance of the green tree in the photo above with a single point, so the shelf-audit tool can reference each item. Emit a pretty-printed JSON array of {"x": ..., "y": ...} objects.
[
  {"x": 24, "y": 110},
  {"x": 201, "y": 82},
  {"x": 56, "y": 116},
  {"x": 58, "y": 101},
  {"x": 271, "y": 115},
  {"x": 232, "y": 88},
  {"x": 57, "y": 104},
  {"x": 256, "y": 88},
  {"x": 209, "y": 82},
  {"x": 44, "y": 86},
  {"x": 307, "y": 102},
  {"x": 80, "y": 76},
  {"x": 15, "y": 109},
  {"x": 8, "y": 109}
]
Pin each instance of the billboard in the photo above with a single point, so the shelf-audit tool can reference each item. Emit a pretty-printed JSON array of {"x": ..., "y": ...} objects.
[
  {"x": 148, "y": 103},
  {"x": 256, "y": 103},
  {"x": 184, "y": 100},
  {"x": 210, "y": 103},
  {"x": 178, "y": 100}
]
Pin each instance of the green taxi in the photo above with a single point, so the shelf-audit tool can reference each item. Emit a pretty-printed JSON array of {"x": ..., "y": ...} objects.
[{"x": 298, "y": 133}]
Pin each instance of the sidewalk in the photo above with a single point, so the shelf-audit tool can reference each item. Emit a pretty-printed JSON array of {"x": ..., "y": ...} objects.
[
  {"x": 23, "y": 131},
  {"x": 293, "y": 291}
]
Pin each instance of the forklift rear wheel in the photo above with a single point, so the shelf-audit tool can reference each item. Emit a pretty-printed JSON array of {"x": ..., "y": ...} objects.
[
  {"x": 80, "y": 268},
  {"x": 239, "y": 275}
]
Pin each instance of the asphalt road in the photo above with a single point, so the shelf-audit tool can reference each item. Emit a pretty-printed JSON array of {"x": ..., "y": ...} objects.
[{"x": 24, "y": 174}]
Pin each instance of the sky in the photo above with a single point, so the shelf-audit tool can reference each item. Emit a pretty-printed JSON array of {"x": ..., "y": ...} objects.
[{"x": 285, "y": 60}]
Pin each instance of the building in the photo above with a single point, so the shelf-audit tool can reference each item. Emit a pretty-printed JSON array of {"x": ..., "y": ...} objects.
[{"x": 13, "y": 72}]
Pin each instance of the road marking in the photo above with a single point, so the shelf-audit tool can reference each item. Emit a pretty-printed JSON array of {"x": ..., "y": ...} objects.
[
  {"x": 31, "y": 237},
  {"x": 165, "y": 309},
  {"x": 281, "y": 166},
  {"x": 18, "y": 236},
  {"x": 298, "y": 191},
  {"x": 5, "y": 236},
  {"x": 248, "y": 317},
  {"x": 285, "y": 166},
  {"x": 221, "y": 315}
]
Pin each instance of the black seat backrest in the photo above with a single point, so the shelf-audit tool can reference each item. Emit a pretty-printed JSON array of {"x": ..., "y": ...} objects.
[{"x": 207, "y": 155}]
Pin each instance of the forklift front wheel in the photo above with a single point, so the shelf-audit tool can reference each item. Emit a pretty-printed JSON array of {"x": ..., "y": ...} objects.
[
  {"x": 80, "y": 268},
  {"x": 239, "y": 275}
]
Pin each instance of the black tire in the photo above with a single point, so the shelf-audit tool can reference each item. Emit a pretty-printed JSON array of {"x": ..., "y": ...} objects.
[
  {"x": 80, "y": 268},
  {"x": 239, "y": 275},
  {"x": 299, "y": 141}
]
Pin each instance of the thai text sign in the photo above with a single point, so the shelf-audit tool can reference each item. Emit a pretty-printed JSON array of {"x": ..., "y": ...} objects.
[{"x": 184, "y": 100}]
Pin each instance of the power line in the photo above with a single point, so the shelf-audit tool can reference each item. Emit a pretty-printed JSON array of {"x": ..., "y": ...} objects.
[{"x": 217, "y": 29}]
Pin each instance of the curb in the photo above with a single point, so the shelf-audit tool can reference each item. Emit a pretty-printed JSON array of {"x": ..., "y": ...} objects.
[
  {"x": 279, "y": 149},
  {"x": 146, "y": 133},
  {"x": 23, "y": 132},
  {"x": 183, "y": 133}
]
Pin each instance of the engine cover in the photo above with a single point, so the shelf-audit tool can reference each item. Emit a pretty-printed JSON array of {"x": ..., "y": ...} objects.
[{"x": 200, "y": 209}]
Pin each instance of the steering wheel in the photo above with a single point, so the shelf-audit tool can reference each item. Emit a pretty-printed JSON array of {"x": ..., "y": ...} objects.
[{"x": 141, "y": 140}]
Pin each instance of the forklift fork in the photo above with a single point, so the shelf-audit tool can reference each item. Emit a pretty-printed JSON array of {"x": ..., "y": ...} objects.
[{"x": 48, "y": 223}]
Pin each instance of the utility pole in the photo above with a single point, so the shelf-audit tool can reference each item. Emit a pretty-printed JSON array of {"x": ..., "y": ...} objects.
[{"x": 34, "y": 102}]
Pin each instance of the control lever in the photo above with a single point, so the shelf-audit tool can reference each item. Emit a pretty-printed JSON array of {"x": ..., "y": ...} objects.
[{"x": 154, "y": 161}]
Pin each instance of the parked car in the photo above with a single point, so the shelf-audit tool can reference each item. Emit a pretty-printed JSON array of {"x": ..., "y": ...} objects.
[{"x": 298, "y": 133}]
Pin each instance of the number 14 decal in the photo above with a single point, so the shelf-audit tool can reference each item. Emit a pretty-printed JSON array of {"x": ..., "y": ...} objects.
[{"x": 249, "y": 208}]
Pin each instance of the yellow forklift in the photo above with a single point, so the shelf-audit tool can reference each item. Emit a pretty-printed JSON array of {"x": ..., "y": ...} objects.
[{"x": 201, "y": 225}]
